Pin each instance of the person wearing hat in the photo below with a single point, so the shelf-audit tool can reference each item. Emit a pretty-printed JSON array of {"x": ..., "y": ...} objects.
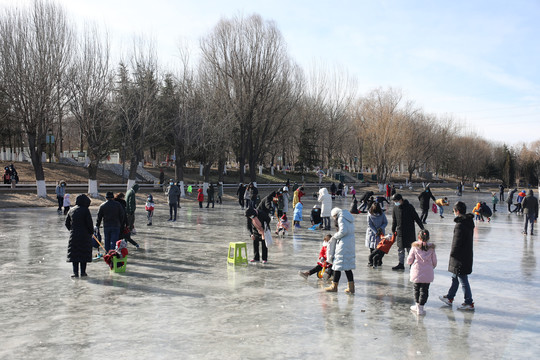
[
  {"x": 404, "y": 216},
  {"x": 113, "y": 216}
]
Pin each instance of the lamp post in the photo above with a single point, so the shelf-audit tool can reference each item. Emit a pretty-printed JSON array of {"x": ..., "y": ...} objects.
[
  {"x": 123, "y": 160},
  {"x": 49, "y": 139}
]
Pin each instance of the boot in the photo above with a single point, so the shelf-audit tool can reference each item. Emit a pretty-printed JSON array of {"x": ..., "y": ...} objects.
[
  {"x": 421, "y": 310},
  {"x": 304, "y": 274},
  {"x": 332, "y": 288},
  {"x": 350, "y": 288}
]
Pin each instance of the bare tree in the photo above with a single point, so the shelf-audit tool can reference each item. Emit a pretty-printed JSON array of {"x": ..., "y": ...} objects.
[
  {"x": 91, "y": 84},
  {"x": 253, "y": 71},
  {"x": 380, "y": 117},
  {"x": 136, "y": 103},
  {"x": 35, "y": 52},
  {"x": 418, "y": 139},
  {"x": 333, "y": 92}
]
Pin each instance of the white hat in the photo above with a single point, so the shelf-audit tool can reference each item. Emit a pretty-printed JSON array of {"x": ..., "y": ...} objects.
[{"x": 285, "y": 189}]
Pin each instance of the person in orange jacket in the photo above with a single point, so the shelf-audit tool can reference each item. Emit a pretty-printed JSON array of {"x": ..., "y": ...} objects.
[
  {"x": 200, "y": 197},
  {"x": 383, "y": 247},
  {"x": 477, "y": 213}
]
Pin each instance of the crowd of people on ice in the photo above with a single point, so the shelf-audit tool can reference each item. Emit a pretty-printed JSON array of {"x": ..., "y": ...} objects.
[{"x": 338, "y": 253}]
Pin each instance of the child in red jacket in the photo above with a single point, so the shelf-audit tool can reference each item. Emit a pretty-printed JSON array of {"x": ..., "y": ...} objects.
[
  {"x": 121, "y": 251},
  {"x": 321, "y": 264},
  {"x": 200, "y": 197},
  {"x": 383, "y": 247}
]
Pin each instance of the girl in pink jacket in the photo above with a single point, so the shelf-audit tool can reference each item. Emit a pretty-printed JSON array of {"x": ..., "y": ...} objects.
[{"x": 423, "y": 260}]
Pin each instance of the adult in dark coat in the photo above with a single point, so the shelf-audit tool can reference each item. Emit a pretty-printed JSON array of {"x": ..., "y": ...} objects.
[
  {"x": 501, "y": 192},
  {"x": 510, "y": 198},
  {"x": 364, "y": 201},
  {"x": 404, "y": 216},
  {"x": 124, "y": 228},
  {"x": 253, "y": 193},
  {"x": 424, "y": 198},
  {"x": 354, "y": 207},
  {"x": 81, "y": 227},
  {"x": 210, "y": 196},
  {"x": 257, "y": 222},
  {"x": 114, "y": 217},
  {"x": 333, "y": 189},
  {"x": 267, "y": 203},
  {"x": 461, "y": 257},
  {"x": 240, "y": 193},
  {"x": 530, "y": 210},
  {"x": 131, "y": 205}
]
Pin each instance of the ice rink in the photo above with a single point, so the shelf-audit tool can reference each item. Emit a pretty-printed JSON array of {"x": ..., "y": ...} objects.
[{"x": 180, "y": 299}]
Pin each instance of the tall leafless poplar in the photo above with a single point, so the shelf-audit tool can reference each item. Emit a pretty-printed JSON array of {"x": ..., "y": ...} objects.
[
  {"x": 91, "y": 84},
  {"x": 258, "y": 80},
  {"x": 35, "y": 52},
  {"x": 136, "y": 103}
]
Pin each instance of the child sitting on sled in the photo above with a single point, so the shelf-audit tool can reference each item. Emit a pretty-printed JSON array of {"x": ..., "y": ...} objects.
[
  {"x": 120, "y": 252},
  {"x": 321, "y": 264}
]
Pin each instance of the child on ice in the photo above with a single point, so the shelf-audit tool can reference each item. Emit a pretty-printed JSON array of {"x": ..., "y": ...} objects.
[
  {"x": 494, "y": 201},
  {"x": 423, "y": 260},
  {"x": 298, "y": 214},
  {"x": 121, "y": 252},
  {"x": 383, "y": 247},
  {"x": 149, "y": 207},
  {"x": 67, "y": 203},
  {"x": 282, "y": 225},
  {"x": 321, "y": 264},
  {"x": 200, "y": 197}
]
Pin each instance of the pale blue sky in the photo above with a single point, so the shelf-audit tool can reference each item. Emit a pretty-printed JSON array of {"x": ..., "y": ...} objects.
[{"x": 477, "y": 60}]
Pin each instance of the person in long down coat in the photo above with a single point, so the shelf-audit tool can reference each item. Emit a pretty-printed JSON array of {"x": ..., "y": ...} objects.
[
  {"x": 81, "y": 227},
  {"x": 341, "y": 251},
  {"x": 404, "y": 216},
  {"x": 326, "y": 207}
]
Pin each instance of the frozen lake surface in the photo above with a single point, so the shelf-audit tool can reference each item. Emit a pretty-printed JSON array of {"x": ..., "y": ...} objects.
[{"x": 180, "y": 299}]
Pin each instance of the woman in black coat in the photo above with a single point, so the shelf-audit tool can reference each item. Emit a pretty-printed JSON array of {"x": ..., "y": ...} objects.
[{"x": 81, "y": 227}]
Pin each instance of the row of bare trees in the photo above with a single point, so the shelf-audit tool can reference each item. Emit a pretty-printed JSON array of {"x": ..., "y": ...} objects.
[{"x": 243, "y": 98}]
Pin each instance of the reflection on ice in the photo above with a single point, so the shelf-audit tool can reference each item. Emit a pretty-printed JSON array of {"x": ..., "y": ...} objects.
[{"x": 180, "y": 298}]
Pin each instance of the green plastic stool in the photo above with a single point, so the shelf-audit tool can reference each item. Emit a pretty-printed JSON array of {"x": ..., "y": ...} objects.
[
  {"x": 235, "y": 253},
  {"x": 116, "y": 268}
]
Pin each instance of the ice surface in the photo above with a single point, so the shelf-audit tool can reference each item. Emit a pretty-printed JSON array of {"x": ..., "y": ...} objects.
[{"x": 179, "y": 298}]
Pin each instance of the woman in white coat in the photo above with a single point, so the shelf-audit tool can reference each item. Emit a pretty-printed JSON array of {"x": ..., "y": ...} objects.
[
  {"x": 326, "y": 207},
  {"x": 341, "y": 249}
]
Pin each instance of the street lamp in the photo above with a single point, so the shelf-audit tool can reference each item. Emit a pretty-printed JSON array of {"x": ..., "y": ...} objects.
[
  {"x": 49, "y": 140},
  {"x": 123, "y": 159}
]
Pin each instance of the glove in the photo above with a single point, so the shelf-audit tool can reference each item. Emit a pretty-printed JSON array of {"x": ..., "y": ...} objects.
[
  {"x": 96, "y": 229},
  {"x": 321, "y": 259}
]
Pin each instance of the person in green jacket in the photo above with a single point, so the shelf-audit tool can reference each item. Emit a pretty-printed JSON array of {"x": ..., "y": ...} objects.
[{"x": 130, "y": 207}]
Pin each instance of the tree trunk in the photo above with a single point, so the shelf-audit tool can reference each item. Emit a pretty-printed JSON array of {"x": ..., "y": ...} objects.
[
  {"x": 206, "y": 172},
  {"x": 221, "y": 168},
  {"x": 35, "y": 156},
  {"x": 133, "y": 168}
]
